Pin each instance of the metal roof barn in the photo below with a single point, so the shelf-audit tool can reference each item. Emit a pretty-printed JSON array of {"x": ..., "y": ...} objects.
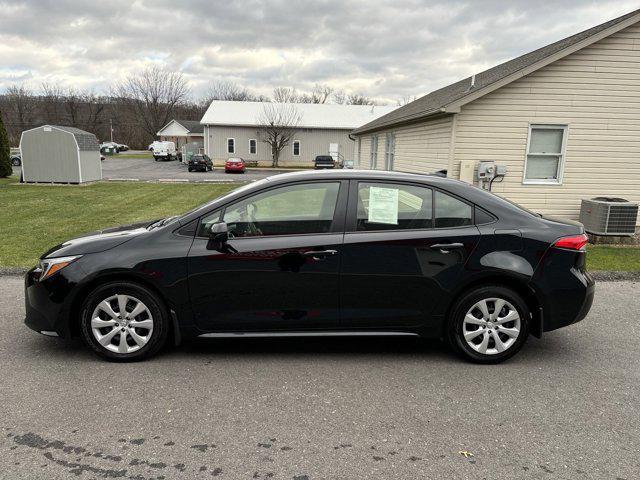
[{"x": 55, "y": 154}]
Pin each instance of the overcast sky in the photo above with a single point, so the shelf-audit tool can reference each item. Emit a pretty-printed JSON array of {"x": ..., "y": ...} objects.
[{"x": 386, "y": 50}]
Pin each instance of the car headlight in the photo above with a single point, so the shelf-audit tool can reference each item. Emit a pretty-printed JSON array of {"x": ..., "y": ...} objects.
[{"x": 49, "y": 266}]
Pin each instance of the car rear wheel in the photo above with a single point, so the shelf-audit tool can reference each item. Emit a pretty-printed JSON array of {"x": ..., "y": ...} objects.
[
  {"x": 489, "y": 324},
  {"x": 123, "y": 321}
]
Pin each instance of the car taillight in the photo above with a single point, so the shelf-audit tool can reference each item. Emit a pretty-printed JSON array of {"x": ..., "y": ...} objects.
[{"x": 574, "y": 242}]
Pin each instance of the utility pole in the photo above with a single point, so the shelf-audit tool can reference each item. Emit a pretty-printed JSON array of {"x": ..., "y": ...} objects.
[{"x": 111, "y": 128}]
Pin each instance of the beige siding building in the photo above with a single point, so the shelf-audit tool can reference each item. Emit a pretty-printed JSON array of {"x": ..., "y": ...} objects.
[
  {"x": 564, "y": 120},
  {"x": 234, "y": 129}
]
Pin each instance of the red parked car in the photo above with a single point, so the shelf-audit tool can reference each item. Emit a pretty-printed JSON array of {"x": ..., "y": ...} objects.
[{"x": 234, "y": 165}]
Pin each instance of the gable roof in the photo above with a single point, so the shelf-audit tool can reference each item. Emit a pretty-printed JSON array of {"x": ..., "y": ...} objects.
[
  {"x": 313, "y": 115},
  {"x": 192, "y": 126},
  {"x": 86, "y": 141},
  {"x": 450, "y": 98}
]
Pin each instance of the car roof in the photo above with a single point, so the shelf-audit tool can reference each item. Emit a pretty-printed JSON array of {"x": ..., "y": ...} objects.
[{"x": 355, "y": 174}]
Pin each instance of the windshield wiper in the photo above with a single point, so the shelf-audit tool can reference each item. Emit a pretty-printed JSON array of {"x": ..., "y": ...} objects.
[{"x": 161, "y": 223}]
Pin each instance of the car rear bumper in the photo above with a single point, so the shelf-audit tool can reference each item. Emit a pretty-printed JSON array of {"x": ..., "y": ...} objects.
[{"x": 569, "y": 302}]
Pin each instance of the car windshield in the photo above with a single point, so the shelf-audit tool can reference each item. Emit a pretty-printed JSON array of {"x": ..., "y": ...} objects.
[{"x": 241, "y": 189}]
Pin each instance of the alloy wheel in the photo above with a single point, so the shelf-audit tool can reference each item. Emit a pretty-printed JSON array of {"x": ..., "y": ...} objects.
[
  {"x": 122, "y": 324},
  {"x": 491, "y": 326}
]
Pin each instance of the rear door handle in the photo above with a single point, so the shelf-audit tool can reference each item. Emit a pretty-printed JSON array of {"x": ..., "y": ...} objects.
[
  {"x": 319, "y": 253},
  {"x": 445, "y": 247}
]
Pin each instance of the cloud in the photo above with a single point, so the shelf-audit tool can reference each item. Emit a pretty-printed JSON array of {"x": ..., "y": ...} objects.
[{"x": 386, "y": 50}]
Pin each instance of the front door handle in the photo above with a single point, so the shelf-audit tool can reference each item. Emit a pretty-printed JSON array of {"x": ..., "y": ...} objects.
[
  {"x": 446, "y": 247},
  {"x": 317, "y": 254}
]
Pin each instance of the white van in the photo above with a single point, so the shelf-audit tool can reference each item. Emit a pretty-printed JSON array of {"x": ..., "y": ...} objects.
[{"x": 164, "y": 151}]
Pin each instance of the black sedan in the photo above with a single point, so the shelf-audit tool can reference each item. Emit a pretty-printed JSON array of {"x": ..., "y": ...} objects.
[
  {"x": 200, "y": 162},
  {"x": 321, "y": 253}
]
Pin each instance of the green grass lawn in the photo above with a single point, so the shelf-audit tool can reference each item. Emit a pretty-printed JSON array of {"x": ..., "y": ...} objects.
[
  {"x": 602, "y": 257},
  {"x": 37, "y": 217}
]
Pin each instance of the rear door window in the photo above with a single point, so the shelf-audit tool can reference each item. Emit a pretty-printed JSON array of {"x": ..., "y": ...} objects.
[
  {"x": 451, "y": 212},
  {"x": 389, "y": 206}
]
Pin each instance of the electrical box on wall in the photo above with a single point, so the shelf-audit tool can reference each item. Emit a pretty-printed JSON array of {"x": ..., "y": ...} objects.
[
  {"x": 467, "y": 171},
  {"x": 486, "y": 170}
]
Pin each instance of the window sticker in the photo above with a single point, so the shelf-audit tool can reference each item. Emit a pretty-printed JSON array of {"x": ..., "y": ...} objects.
[{"x": 383, "y": 205}]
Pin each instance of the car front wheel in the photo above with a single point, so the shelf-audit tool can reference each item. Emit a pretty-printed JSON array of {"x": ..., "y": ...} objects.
[
  {"x": 124, "y": 321},
  {"x": 489, "y": 324}
]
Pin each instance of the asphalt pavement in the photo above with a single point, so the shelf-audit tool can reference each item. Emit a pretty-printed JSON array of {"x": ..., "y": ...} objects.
[
  {"x": 147, "y": 169},
  {"x": 565, "y": 407}
]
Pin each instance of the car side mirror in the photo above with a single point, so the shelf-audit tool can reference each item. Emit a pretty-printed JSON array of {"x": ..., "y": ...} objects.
[{"x": 219, "y": 233}]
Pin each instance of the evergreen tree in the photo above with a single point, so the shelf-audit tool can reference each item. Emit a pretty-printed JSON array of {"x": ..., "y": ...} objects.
[{"x": 5, "y": 162}]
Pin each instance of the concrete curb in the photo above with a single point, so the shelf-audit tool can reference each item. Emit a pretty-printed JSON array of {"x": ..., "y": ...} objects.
[{"x": 600, "y": 276}]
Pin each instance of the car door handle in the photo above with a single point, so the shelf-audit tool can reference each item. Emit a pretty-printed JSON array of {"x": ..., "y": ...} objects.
[
  {"x": 445, "y": 247},
  {"x": 319, "y": 253}
]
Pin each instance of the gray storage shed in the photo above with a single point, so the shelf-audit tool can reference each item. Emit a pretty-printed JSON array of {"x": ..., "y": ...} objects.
[{"x": 55, "y": 154}]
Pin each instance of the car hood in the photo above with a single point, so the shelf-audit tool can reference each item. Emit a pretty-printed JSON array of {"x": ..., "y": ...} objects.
[{"x": 99, "y": 241}]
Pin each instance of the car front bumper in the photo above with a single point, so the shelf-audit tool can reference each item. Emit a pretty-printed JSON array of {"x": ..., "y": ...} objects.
[{"x": 47, "y": 304}]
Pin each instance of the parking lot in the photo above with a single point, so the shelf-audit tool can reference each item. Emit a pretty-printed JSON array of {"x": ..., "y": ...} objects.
[
  {"x": 146, "y": 169},
  {"x": 565, "y": 407}
]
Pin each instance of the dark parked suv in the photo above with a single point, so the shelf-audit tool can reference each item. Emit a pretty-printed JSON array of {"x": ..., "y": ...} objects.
[
  {"x": 314, "y": 253},
  {"x": 200, "y": 162},
  {"x": 324, "y": 161}
]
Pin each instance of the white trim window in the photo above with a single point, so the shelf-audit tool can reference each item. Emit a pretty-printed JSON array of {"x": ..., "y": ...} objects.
[
  {"x": 373, "y": 158},
  {"x": 253, "y": 146},
  {"x": 390, "y": 150},
  {"x": 231, "y": 145},
  {"x": 544, "y": 163},
  {"x": 296, "y": 148}
]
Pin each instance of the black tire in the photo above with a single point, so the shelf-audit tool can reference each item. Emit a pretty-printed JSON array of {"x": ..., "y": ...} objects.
[
  {"x": 160, "y": 316},
  {"x": 15, "y": 162},
  {"x": 190, "y": 169},
  {"x": 455, "y": 325}
]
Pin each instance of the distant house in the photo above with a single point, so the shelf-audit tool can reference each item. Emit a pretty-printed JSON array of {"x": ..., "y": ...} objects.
[
  {"x": 564, "y": 120},
  {"x": 182, "y": 132},
  {"x": 232, "y": 129}
]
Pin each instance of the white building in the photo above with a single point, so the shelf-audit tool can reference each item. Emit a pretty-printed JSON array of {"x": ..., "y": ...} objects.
[{"x": 233, "y": 129}]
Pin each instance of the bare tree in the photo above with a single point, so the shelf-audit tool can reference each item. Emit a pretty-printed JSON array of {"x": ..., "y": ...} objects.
[
  {"x": 225, "y": 90},
  {"x": 405, "y": 100},
  {"x": 94, "y": 107},
  {"x": 279, "y": 123},
  {"x": 319, "y": 94},
  {"x": 339, "y": 97},
  {"x": 285, "y": 95},
  {"x": 51, "y": 95},
  {"x": 152, "y": 97},
  {"x": 19, "y": 108},
  {"x": 358, "y": 99}
]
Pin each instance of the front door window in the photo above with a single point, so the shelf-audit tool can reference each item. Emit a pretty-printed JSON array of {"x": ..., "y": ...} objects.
[{"x": 292, "y": 210}]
